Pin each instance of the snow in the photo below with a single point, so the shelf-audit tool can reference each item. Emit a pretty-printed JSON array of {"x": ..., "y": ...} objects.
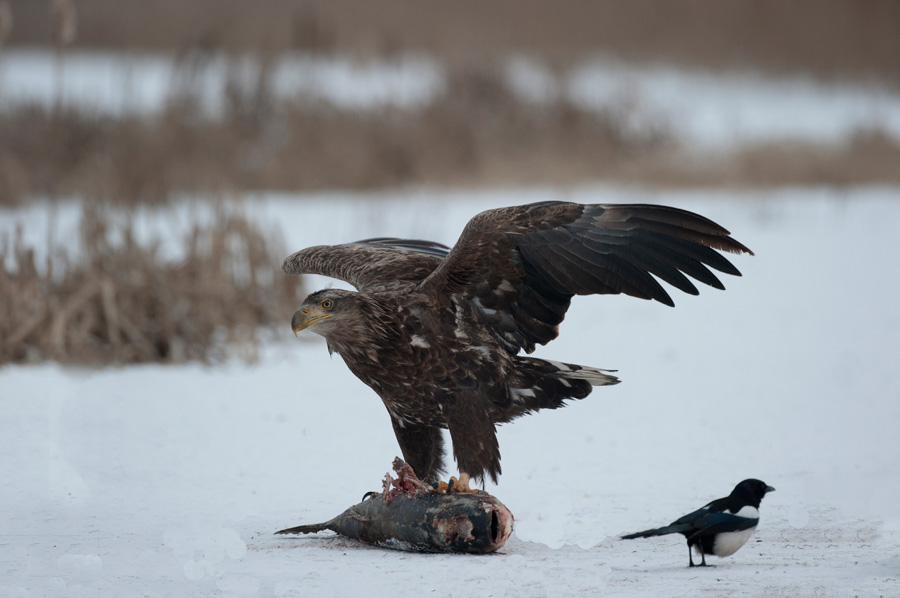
[
  {"x": 705, "y": 110},
  {"x": 169, "y": 480}
]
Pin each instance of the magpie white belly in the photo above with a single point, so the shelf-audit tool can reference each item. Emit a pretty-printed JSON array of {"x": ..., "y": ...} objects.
[{"x": 728, "y": 543}]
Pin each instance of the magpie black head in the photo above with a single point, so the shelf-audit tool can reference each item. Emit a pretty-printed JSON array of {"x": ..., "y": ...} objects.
[{"x": 750, "y": 492}]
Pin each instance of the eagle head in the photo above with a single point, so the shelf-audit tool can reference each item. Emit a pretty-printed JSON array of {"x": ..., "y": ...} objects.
[{"x": 342, "y": 317}]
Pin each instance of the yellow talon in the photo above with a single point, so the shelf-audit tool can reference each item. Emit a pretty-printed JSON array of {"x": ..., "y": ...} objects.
[
  {"x": 455, "y": 485},
  {"x": 461, "y": 484}
]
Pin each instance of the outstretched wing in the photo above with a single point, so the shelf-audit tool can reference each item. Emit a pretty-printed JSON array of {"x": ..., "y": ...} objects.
[
  {"x": 371, "y": 262},
  {"x": 521, "y": 266}
]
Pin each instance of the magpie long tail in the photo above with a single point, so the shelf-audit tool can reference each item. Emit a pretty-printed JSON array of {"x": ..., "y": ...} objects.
[{"x": 658, "y": 531}]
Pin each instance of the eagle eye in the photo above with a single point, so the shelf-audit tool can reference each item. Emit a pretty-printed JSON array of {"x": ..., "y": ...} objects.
[{"x": 326, "y": 304}]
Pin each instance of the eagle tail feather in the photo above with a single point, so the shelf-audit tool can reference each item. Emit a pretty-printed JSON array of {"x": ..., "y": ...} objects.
[{"x": 537, "y": 384}]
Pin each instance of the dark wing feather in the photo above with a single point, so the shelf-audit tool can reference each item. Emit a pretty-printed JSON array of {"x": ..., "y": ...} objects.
[
  {"x": 693, "y": 517},
  {"x": 430, "y": 247},
  {"x": 521, "y": 266},
  {"x": 371, "y": 262},
  {"x": 714, "y": 523}
]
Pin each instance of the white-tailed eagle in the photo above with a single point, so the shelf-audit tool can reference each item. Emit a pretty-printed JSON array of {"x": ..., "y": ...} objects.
[{"x": 437, "y": 333}]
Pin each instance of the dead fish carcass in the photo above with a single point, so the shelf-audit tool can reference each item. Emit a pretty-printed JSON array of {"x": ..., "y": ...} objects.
[{"x": 408, "y": 515}]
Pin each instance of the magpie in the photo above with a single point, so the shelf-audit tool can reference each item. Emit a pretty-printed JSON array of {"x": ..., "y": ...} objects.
[{"x": 720, "y": 527}]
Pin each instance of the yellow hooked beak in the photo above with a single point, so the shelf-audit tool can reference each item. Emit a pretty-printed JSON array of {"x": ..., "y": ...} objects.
[{"x": 307, "y": 316}]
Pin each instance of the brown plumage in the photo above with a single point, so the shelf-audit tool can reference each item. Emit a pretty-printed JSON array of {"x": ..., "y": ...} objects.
[{"x": 436, "y": 333}]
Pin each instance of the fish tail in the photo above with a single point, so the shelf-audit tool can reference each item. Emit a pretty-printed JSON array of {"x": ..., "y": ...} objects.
[{"x": 305, "y": 529}]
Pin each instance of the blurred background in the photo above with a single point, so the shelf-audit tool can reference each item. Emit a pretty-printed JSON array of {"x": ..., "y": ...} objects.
[{"x": 135, "y": 136}]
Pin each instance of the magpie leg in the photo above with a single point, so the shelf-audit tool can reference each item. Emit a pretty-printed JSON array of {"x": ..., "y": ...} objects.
[{"x": 702, "y": 556}]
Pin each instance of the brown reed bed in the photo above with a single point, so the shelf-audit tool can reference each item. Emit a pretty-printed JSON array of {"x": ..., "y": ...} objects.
[
  {"x": 120, "y": 301},
  {"x": 476, "y": 132},
  {"x": 823, "y": 38}
]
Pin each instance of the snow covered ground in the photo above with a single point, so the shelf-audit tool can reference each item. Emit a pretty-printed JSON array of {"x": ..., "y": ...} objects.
[
  {"x": 169, "y": 480},
  {"x": 705, "y": 110}
]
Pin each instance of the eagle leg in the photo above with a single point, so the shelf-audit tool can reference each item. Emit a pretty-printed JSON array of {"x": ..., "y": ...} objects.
[
  {"x": 422, "y": 447},
  {"x": 462, "y": 484},
  {"x": 473, "y": 434}
]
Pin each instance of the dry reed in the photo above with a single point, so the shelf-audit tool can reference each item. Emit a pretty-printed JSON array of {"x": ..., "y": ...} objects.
[
  {"x": 6, "y": 20},
  {"x": 826, "y": 38},
  {"x": 64, "y": 20},
  {"x": 476, "y": 132},
  {"x": 119, "y": 301}
]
